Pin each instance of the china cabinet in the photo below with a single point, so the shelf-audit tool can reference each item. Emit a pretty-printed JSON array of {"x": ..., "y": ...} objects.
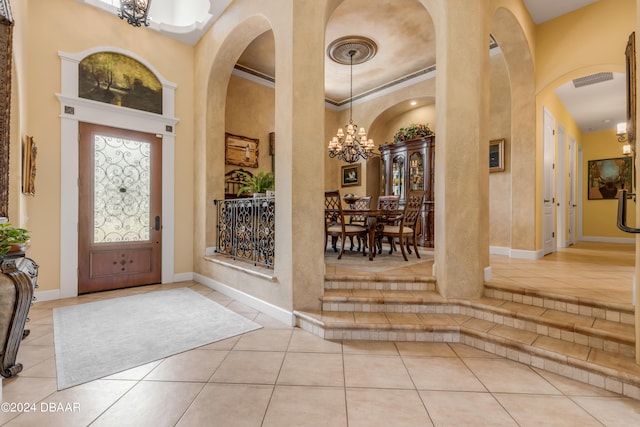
[{"x": 406, "y": 166}]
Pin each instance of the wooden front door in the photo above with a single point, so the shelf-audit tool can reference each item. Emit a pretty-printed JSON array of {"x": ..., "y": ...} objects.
[{"x": 120, "y": 190}]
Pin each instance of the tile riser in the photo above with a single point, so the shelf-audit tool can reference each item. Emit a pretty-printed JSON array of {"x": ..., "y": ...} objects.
[
  {"x": 574, "y": 307},
  {"x": 381, "y": 286}
]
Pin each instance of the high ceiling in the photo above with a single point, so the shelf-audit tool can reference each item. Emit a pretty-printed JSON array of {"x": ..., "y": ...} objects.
[{"x": 400, "y": 28}]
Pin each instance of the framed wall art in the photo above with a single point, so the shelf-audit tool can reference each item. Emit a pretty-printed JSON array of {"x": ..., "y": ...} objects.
[
  {"x": 241, "y": 151},
  {"x": 351, "y": 175},
  {"x": 6, "y": 40},
  {"x": 607, "y": 176},
  {"x": 496, "y": 155},
  {"x": 29, "y": 152},
  {"x": 630, "y": 54}
]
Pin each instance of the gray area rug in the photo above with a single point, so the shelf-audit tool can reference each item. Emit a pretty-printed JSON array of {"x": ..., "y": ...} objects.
[{"x": 101, "y": 338}]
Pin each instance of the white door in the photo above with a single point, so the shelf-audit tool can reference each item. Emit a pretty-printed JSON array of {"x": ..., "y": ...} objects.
[
  {"x": 571, "y": 237},
  {"x": 561, "y": 188},
  {"x": 548, "y": 184}
]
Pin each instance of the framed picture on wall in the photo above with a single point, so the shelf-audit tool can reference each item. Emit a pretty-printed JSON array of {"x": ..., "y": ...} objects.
[
  {"x": 607, "y": 176},
  {"x": 630, "y": 55},
  {"x": 351, "y": 175},
  {"x": 241, "y": 151},
  {"x": 496, "y": 155}
]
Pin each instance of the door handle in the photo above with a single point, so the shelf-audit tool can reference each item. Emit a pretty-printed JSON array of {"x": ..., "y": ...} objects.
[
  {"x": 622, "y": 212},
  {"x": 157, "y": 226}
]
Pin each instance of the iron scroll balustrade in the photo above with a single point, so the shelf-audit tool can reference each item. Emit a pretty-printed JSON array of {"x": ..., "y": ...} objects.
[
  {"x": 246, "y": 229},
  {"x": 622, "y": 212}
]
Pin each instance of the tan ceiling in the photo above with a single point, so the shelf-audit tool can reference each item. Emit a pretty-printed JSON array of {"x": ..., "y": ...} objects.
[
  {"x": 400, "y": 28},
  {"x": 404, "y": 33}
]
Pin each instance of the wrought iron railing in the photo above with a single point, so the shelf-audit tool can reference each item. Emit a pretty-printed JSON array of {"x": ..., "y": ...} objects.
[{"x": 246, "y": 229}]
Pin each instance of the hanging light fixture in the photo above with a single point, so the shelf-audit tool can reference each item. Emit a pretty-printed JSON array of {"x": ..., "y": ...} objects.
[
  {"x": 351, "y": 143},
  {"x": 136, "y": 12}
]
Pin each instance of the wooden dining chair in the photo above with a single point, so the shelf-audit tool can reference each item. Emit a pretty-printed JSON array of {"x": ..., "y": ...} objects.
[
  {"x": 335, "y": 225},
  {"x": 407, "y": 227},
  {"x": 387, "y": 203},
  {"x": 362, "y": 203}
]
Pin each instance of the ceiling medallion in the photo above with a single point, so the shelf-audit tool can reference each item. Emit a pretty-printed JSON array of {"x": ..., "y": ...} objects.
[{"x": 351, "y": 144}]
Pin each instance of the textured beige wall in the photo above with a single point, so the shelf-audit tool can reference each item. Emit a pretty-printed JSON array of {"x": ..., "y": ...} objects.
[
  {"x": 66, "y": 25},
  {"x": 500, "y": 183},
  {"x": 250, "y": 112}
]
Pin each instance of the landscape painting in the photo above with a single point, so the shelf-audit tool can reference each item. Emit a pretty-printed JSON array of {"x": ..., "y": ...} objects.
[{"x": 117, "y": 79}]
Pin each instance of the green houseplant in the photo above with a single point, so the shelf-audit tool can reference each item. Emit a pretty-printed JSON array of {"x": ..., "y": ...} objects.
[
  {"x": 12, "y": 238},
  {"x": 412, "y": 131},
  {"x": 258, "y": 183}
]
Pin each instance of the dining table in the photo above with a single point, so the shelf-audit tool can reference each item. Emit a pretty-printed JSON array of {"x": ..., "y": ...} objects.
[{"x": 376, "y": 219}]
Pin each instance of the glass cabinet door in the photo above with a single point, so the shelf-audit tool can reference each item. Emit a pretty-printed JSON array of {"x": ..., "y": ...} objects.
[
  {"x": 397, "y": 176},
  {"x": 416, "y": 172}
]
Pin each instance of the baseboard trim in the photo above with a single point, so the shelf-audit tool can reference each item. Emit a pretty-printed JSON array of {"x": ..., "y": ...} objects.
[
  {"x": 47, "y": 295},
  {"x": 267, "y": 308},
  {"x": 183, "y": 277},
  {"x": 630, "y": 240},
  {"x": 515, "y": 253}
]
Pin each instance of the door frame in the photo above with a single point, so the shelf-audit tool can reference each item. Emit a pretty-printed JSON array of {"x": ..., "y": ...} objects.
[
  {"x": 548, "y": 179},
  {"x": 74, "y": 110},
  {"x": 572, "y": 201},
  {"x": 561, "y": 188}
]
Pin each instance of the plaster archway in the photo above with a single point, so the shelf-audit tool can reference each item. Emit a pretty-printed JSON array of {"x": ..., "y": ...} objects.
[{"x": 512, "y": 39}]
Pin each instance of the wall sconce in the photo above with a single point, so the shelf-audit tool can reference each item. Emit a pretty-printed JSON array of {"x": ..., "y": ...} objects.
[
  {"x": 621, "y": 131},
  {"x": 626, "y": 149}
]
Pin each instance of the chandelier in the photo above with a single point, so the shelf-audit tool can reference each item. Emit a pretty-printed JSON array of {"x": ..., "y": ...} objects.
[
  {"x": 136, "y": 12},
  {"x": 351, "y": 143}
]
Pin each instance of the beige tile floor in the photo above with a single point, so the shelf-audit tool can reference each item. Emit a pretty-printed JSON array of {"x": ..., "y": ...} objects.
[{"x": 283, "y": 376}]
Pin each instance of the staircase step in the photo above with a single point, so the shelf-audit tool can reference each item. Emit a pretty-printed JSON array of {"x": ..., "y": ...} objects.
[
  {"x": 573, "y": 328},
  {"x": 381, "y": 283},
  {"x": 615, "y": 312}
]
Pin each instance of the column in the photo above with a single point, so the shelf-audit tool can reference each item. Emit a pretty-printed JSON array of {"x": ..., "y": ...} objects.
[{"x": 461, "y": 171}]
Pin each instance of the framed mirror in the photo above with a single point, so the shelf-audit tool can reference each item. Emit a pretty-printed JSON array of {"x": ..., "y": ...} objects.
[
  {"x": 630, "y": 54},
  {"x": 6, "y": 37}
]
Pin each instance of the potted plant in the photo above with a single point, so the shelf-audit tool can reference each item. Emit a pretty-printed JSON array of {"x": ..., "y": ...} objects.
[
  {"x": 412, "y": 131},
  {"x": 12, "y": 239},
  {"x": 257, "y": 184}
]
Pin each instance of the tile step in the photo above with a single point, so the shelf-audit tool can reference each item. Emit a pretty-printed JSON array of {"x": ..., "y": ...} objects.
[
  {"x": 615, "y": 372},
  {"x": 574, "y": 328},
  {"x": 385, "y": 283},
  {"x": 623, "y": 313}
]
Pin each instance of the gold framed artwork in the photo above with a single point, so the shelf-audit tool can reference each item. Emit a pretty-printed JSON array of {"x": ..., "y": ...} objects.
[
  {"x": 630, "y": 55},
  {"x": 29, "y": 152},
  {"x": 496, "y": 155},
  {"x": 351, "y": 175},
  {"x": 6, "y": 37},
  {"x": 607, "y": 176},
  {"x": 241, "y": 151}
]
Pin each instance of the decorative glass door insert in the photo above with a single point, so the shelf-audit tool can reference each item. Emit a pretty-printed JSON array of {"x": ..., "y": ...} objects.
[{"x": 122, "y": 185}]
